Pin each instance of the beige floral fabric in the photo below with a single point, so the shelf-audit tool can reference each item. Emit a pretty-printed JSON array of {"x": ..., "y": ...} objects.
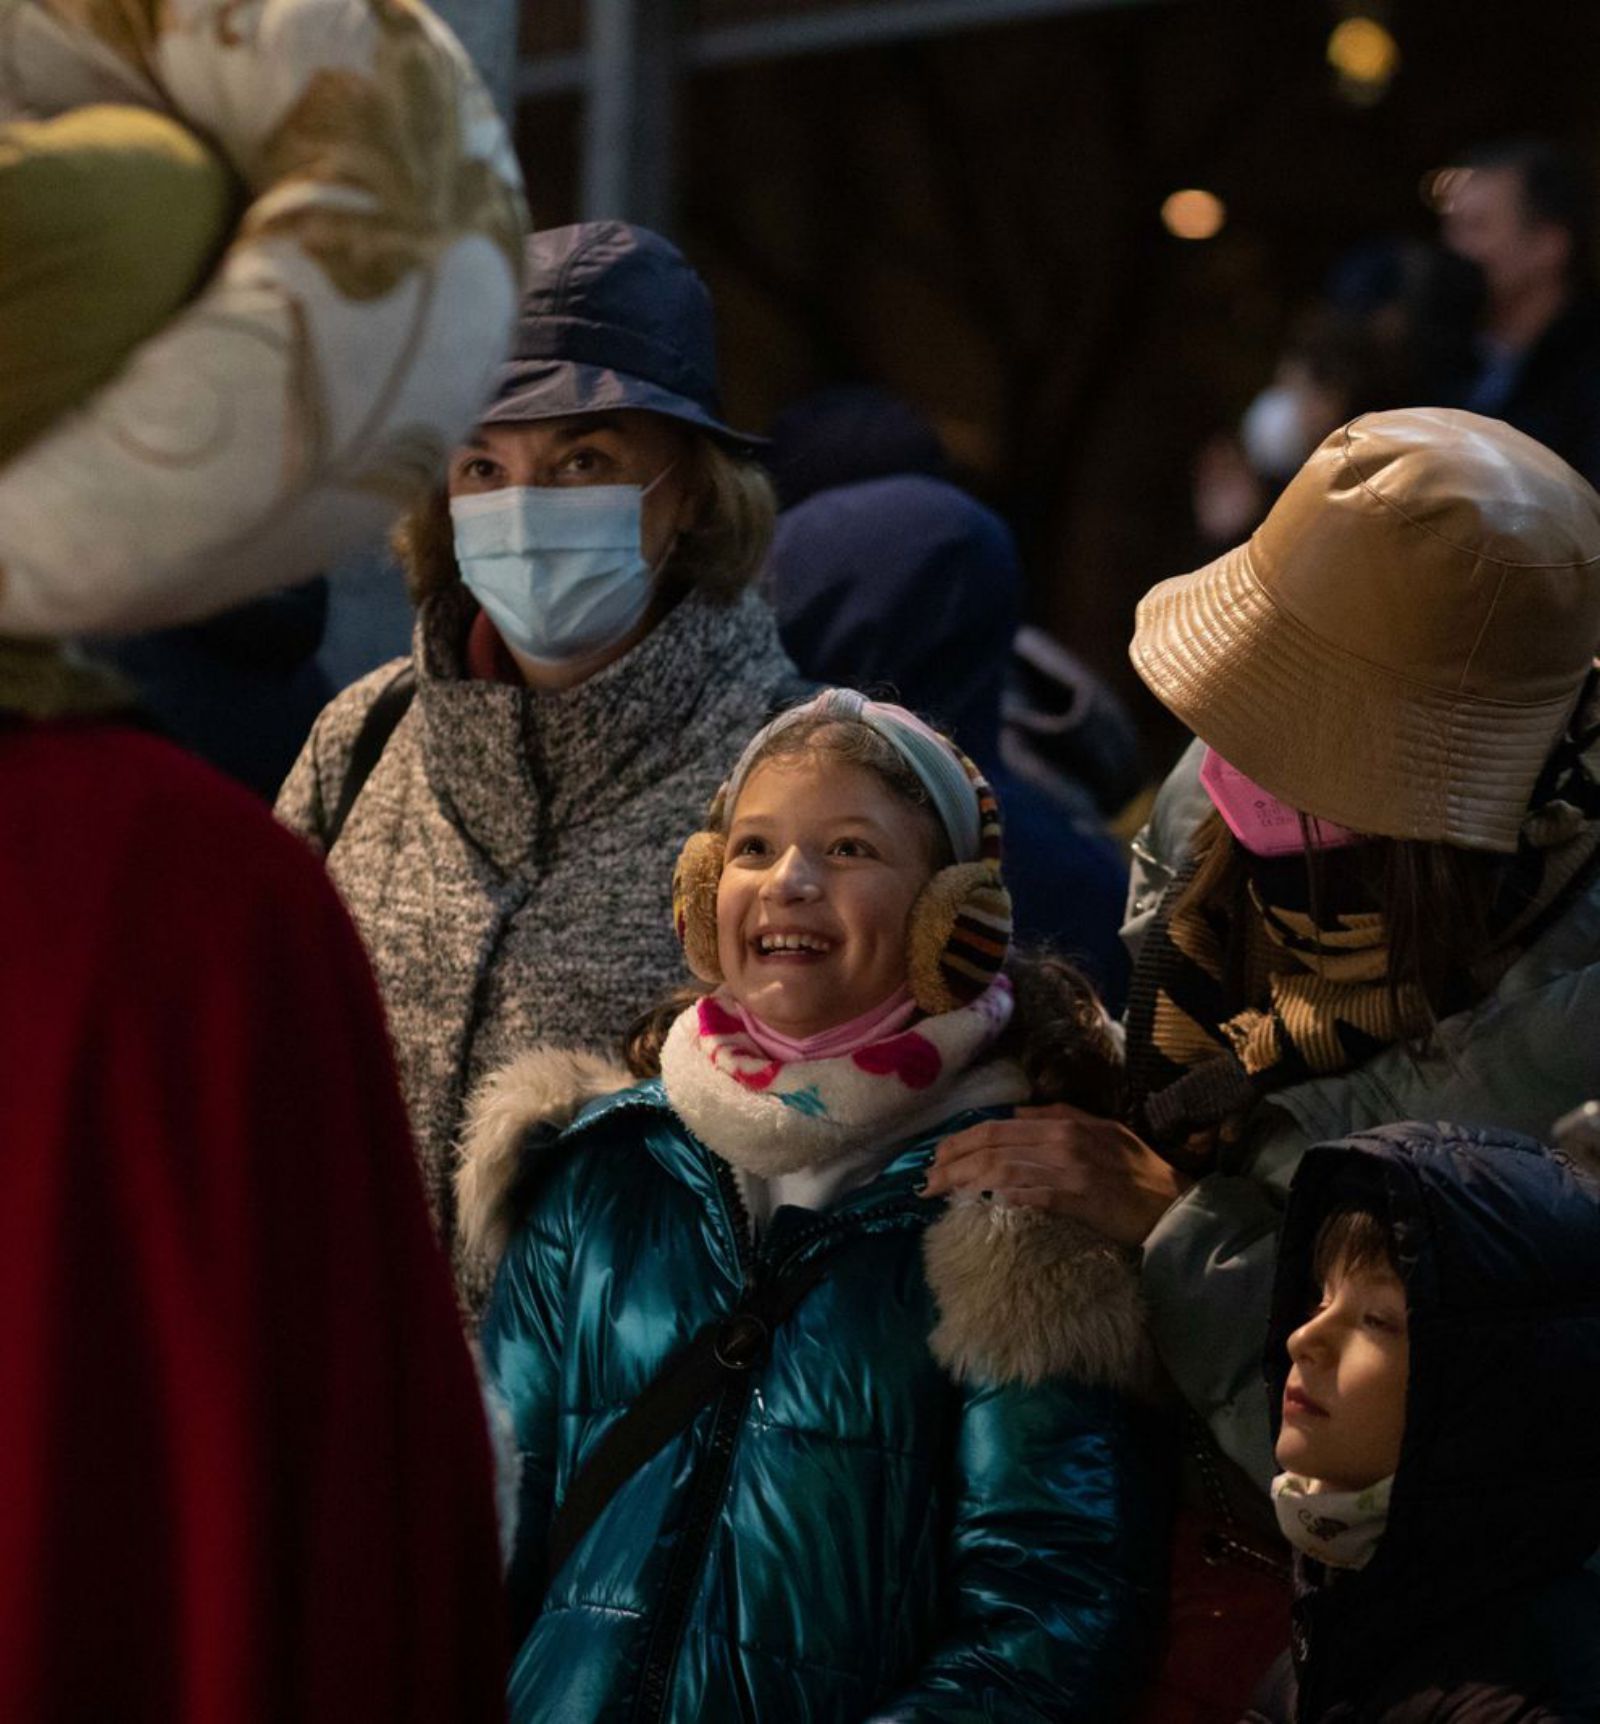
[{"x": 346, "y": 340}]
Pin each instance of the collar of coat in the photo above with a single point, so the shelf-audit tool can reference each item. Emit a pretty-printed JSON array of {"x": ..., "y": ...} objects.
[
  {"x": 703, "y": 677},
  {"x": 1023, "y": 1296}
]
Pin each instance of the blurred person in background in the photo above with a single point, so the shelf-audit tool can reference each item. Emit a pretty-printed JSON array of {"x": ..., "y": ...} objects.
[
  {"x": 886, "y": 576},
  {"x": 1393, "y": 328},
  {"x": 587, "y": 660},
  {"x": 1522, "y": 213},
  {"x": 1327, "y": 364}
]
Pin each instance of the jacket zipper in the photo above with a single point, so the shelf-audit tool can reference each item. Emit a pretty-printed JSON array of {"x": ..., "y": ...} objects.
[
  {"x": 711, "y": 1478},
  {"x": 705, "y": 1492}
]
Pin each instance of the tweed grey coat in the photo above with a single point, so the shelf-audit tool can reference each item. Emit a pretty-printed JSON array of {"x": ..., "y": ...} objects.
[{"x": 509, "y": 860}]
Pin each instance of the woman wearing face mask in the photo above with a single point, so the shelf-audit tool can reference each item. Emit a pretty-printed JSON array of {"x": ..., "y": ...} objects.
[
  {"x": 587, "y": 661},
  {"x": 1370, "y": 891}
]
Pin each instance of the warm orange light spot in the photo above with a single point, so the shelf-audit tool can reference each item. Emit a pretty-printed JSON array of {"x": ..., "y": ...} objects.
[
  {"x": 1363, "y": 51},
  {"x": 1194, "y": 214}
]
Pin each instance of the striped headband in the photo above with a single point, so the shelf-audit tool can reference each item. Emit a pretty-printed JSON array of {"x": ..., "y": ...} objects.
[{"x": 962, "y": 799}]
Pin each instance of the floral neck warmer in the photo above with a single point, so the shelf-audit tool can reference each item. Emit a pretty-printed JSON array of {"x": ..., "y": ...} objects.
[
  {"x": 1338, "y": 1528},
  {"x": 770, "y": 1116}
]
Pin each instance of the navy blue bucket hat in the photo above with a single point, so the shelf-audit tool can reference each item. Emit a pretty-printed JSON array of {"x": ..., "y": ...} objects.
[{"x": 613, "y": 317}]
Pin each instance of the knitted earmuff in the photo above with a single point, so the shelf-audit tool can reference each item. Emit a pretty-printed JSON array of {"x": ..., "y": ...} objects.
[
  {"x": 959, "y": 930},
  {"x": 960, "y": 926}
]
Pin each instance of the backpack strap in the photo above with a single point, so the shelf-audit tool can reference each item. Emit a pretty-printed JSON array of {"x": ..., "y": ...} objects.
[
  {"x": 712, "y": 1360},
  {"x": 382, "y": 719}
]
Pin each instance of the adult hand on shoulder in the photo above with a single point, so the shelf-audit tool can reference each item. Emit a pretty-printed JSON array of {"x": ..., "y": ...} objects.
[{"x": 1067, "y": 1161}]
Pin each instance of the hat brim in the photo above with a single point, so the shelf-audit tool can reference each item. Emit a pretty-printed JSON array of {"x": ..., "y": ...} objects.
[
  {"x": 533, "y": 389},
  {"x": 1328, "y": 732}
]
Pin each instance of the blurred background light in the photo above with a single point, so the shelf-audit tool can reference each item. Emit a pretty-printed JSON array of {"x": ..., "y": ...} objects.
[
  {"x": 1194, "y": 214},
  {"x": 1366, "y": 57}
]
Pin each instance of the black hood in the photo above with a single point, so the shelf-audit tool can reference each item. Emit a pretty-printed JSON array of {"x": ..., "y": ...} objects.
[{"x": 1498, "y": 1485}]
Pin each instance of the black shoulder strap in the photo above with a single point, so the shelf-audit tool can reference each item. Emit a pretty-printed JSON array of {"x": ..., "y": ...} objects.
[
  {"x": 383, "y": 716},
  {"x": 691, "y": 1379}
]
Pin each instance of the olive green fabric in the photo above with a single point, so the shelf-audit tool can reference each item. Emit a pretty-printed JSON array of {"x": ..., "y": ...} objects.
[
  {"x": 110, "y": 219},
  {"x": 44, "y": 680}
]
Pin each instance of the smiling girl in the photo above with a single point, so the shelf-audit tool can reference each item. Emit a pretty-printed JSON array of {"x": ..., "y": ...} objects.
[{"x": 798, "y": 1442}]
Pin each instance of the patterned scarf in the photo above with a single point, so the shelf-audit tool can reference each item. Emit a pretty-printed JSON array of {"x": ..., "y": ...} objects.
[
  {"x": 1213, "y": 1027},
  {"x": 772, "y": 1117},
  {"x": 1338, "y": 1528}
]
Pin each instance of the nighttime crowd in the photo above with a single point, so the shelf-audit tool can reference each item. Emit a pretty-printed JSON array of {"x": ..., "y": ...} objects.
[{"x": 719, "y": 1154}]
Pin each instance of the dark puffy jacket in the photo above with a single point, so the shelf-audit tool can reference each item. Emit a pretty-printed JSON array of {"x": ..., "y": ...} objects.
[
  {"x": 1475, "y": 1608},
  {"x": 907, "y": 588},
  {"x": 849, "y": 1532}
]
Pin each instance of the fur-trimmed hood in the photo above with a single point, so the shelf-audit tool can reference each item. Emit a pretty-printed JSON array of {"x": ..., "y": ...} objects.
[
  {"x": 1023, "y": 1295},
  {"x": 512, "y": 1115}
]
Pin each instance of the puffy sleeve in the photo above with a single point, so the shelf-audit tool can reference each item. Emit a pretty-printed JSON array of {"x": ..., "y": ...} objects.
[
  {"x": 1161, "y": 845},
  {"x": 1207, "y": 1279},
  {"x": 1055, "y": 1556}
]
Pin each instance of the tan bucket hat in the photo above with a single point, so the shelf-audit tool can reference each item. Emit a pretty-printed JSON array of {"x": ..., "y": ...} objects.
[{"x": 1399, "y": 646}]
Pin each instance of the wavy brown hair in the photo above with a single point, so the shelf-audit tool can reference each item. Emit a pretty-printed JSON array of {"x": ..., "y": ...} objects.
[
  {"x": 1438, "y": 901},
  {"x": 719, "y": 555}
]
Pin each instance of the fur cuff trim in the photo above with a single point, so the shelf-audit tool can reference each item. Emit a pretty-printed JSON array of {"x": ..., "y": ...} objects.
[
  {"x": 541, "y": 1090},
  {"x": 1024, "y": 1295}
]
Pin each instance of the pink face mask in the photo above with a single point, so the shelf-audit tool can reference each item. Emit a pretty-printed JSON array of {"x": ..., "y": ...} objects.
[{"x": 1262, "y": 824}]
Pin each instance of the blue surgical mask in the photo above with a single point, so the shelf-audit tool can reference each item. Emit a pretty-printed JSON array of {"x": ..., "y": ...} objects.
[{"x": 561, "y": 571}]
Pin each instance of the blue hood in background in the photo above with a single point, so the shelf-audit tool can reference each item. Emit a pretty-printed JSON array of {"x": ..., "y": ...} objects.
[{"x": 904, "y": 584}]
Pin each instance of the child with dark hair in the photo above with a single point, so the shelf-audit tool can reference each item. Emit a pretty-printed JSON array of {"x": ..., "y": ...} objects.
[{"x": 1435, "y": 1359}]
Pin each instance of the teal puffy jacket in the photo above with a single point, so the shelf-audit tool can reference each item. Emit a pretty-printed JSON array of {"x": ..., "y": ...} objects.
[{"x": 848, "y": 1532}]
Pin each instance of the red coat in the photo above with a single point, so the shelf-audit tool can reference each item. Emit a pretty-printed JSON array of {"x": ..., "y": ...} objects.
[{"x": 243, "y": 1471}]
